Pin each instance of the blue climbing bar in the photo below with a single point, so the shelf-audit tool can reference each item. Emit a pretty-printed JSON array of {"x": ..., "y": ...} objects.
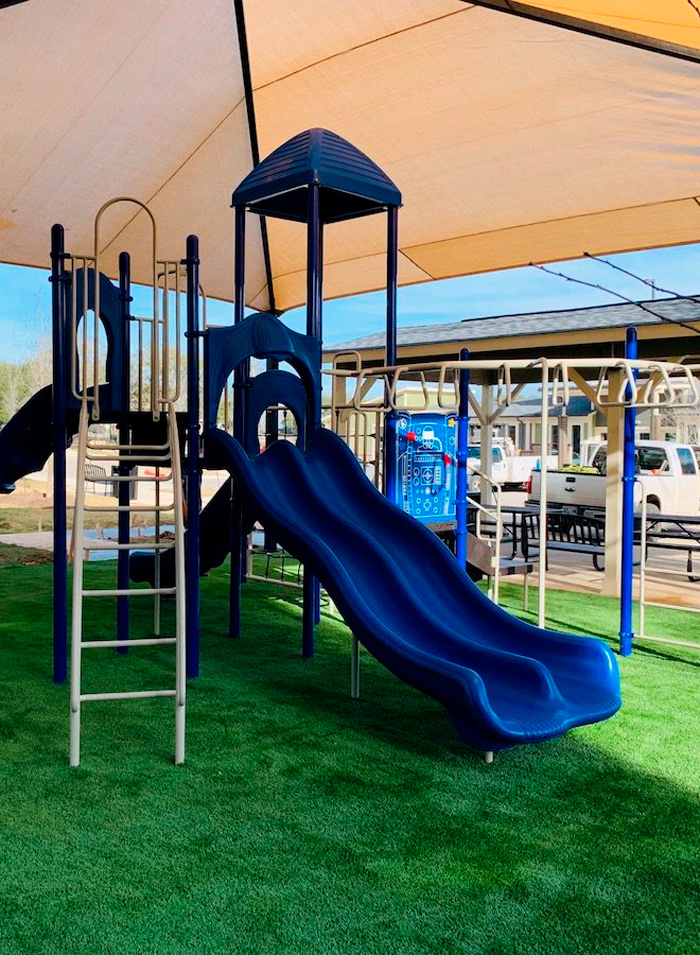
[
  {"x": 124, "y": 530},
  {"x": 59, "y": 440},
  {"x": 193, "y": 458},
  {"x": 390, "y": 485},
  {"x": 628, "y": 479},
  {"x": 462, "y": 489}
]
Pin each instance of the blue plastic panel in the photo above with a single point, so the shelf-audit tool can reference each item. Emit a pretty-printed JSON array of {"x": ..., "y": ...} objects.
[{"x": 427, "y": 467}]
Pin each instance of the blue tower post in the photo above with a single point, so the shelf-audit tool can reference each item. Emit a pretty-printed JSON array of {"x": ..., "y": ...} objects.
[
  {"x": 272, "y": 424},
  {"x": 392, "y": 281},
  {"x": 193, "y": 455},
  {"x": 124, "y": 439},
  {"x": 461, "y": 512},
  {"x": 314, "y": 326},
  {"x": 239, "y": 376},
  {"x": 59, "y": 440},
  {"x": 628, "y": 479},
  {"x": 319, "y": 295}
]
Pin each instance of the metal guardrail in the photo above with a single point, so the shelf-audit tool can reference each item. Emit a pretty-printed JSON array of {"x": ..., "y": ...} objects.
[
  {"x": 643, "y": 601},
  {"x": 157, "y": 382},
  {"x": 621, "y": 383},
  {"x": 640, "y": 383}
]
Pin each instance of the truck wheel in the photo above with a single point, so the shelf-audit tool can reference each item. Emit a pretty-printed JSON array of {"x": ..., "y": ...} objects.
[{"x": 653, "y": 506}]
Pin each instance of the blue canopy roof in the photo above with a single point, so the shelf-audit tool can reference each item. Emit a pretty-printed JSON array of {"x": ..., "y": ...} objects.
[{"x": 351, "y": 184}]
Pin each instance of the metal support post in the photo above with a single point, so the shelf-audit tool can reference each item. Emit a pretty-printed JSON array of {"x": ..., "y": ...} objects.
[
  {"x": 628, "y": 482},
  {"x": 390, "y": 356},
  {"x": 193, "y": 462},
  {"x": 272, "y": 426},
  {"x": 234, "y": 610},
  {"x": 239, "y": 377},
  {"x": 462, "y": 489},
  {"x": 355, "y": 668},
  {"x": 544, "y": 449},
  {"x": 59, "y": 442},
  {"x": 486, "y": 444},
  {"x": 124, "y": 492},
  {"x": 314, "y": 326}
]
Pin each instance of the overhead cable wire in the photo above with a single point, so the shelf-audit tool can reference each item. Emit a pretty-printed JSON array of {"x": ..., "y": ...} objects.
[
  {"x": 607, "y": 291},
  {"x": 648, "y": 282}
]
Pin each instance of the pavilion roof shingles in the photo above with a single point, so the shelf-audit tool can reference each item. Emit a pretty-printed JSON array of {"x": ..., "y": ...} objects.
[{"x": 532, "y": 323}]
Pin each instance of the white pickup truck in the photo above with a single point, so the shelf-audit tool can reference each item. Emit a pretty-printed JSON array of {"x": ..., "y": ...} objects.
[
  {"x": 668, "y": 474},
  {"x": 508, "y": 470}
]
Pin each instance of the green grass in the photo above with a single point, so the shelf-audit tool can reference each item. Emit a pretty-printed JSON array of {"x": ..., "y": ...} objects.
[{"x": 304, "y": 822}]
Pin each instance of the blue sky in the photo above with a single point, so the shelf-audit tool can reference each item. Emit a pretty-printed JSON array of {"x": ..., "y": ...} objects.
[{"x": 25, "y": 300}]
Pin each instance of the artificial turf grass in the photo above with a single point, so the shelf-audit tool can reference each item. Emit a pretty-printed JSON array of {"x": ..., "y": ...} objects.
[{"x": 307, "y": 822}]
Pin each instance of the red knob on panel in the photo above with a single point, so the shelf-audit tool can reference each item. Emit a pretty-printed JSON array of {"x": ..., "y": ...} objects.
[{"x": 410, "y": 435}]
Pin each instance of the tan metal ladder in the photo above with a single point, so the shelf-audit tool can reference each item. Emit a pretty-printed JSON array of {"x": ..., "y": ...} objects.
[{"x": 157, "y": 455}]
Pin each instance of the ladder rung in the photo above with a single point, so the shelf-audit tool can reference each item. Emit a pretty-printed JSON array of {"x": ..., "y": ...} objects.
[
  {"x": 125, "y": 458},
  {"x": 108, "y": 545},
  {"x": 135, "y": 695},
  {"x": 132, "y": 508},
  {"x": 136, "y": 592},
  {"x": 145, "y": 642},
  {"x": 140, "y": 477},
  {"x": 97, "y": 446}
]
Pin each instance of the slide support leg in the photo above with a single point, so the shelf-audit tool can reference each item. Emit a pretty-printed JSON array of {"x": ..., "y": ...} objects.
[
  {"x": 234, "y": 624},
  {"x": 317, "y": 601},
  {"x": 309, "y": 611},
  {"x": 355, "y": 669}
]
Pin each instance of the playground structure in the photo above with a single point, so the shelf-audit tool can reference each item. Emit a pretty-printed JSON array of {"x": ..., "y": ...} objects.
[
  {"x": 627, "y": 383},
  {"x": 92, "y": 386},
  {"x": 502, "y": 681}
]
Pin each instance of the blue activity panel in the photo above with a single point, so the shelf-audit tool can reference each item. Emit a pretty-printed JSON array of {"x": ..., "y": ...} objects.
[{"x": 426, "y": 472}]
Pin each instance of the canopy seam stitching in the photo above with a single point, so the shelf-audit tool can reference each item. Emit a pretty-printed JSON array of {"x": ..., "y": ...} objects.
[{"x": 360, "y": 46}]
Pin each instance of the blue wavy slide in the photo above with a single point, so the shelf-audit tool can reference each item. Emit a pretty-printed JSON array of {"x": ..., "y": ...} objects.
[
  {"x": 403, "y": 595},
  {"x": 25, "y": 441}
]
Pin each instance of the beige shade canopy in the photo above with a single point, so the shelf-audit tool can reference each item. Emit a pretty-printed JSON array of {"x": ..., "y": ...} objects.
[{"x": 516, "y": 132}]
